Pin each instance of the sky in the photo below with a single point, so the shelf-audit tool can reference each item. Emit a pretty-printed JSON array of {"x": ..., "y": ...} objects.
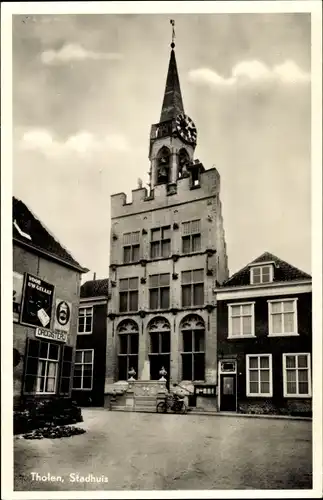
[{"x": 86, "y": 89}]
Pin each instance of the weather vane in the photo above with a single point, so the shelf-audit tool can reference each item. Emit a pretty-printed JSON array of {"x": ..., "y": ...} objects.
[{"x": 172, "y": 22}]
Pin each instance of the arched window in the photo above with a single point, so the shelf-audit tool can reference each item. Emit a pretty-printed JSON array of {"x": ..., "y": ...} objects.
[
  {"x": 163, "y": 166},
  {"x": 159, "y": 346},
  {"x": 183, "y": 161},
  {"x": 128, "y": 336},
  {"x": 193, "y": 350}
]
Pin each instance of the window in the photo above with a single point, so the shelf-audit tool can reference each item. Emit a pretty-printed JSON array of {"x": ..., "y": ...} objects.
[
  {"x": 191, "y": 239},
  {"x": 131, "y": 247},
  {"x": 193, "y": 288},
  {"x": 159, "y": 291},
  {"x": 83, "y": 369},
  {"x": 85, "y": 320},
  {"x": 241, "y": 320},
  {"x": 259, "y": 375},
  {"x": 41, "y": 367},
  {"x": 297, "y": 375},
  {"x": 282, "y": 317},
  {"x": 160, "y": 242},
  {"x": 159, "y": 351},
  {"x": 261, "y": 274},
  {"x": 193, "y": 353},
  {"x": 128, "y": 294},
  {"x": 128, "y": 335}
]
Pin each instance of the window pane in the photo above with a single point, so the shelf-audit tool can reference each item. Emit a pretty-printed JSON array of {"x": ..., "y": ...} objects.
[
  {"x": 165, "y": 342},
  {"x": 154, "y": 342},
  {"x": 50, "y": 385},
  {"x": 133, "y": 300},
  {"x": 133, "y": 362},
  {"x": 302, "y": 361},
  {"x": 164, "y": 279},
  {"x": 288, "y": 322},
  {"x": 276, "y": 307},
  {"x": 135, "y": 236},
  {"x": 290, "y": 362},
  {"x": 77, "y": 371},
  {"x": 303, "y": 388},
  {"x": 196, "y": 243},
  {"x": 154, "y": 280},
  {"x": 126, "y": 254},
  {"x": 186, "y": 296},
  {"x": 134, "y": 344},
  {"x": 277, "y": 323},
  {"x": 154, "y": 250},
  {"x": 195, "y": 226},
  {"x": 135, "y": 252},
  {"x": 253, "y": 386},
  {"x": 32, "y": 366},
  {"x": 187, "y": 341},
  {"x": 235, "y": 310},
  {"x": 88, "y": 356},
  {"x": 77, "y": 382},
  {"x": 186, "y": 227},
  {"x": 88, "y": 324},
  {"x": 198, "y": 294},
  {"x": 264, "y": 362},
  {"x": 155, "y": 234},
  {"x": 253, "y": 375},
  {"x": 127, "y": 238},
  {"x": 247, "y": 309},
  {"x": 123, "y": 301},
  {"x": 33, "y": 348},
  {"x": 153, "y": 298},
  {"x": 87, "y": 382},
  {"x": 291, "y": 375},
  {"x": 186, "y": 277},
  {"x": 81, "y": 324},
  {"x": 123, "y": 344},
  {"x": 199, "y": 340},
  {"x": 264, "y": 387},
  {"x": 78, "y": 357},
  {"x": 43, "y": 352},
  {"x": 51, "y": 369},
  {"x": 186, "y": 244},
  {"x": 246, "y": 325},
  {"x": 198, "y": 276},
  {"x": 264, "y": 375},
  {"x": 164, "y": 298},
  {"x": 53, "y": 351},
  {"x": 198, "y": 366},
  {"x": 30, "y": 383},
  {"x": 165, "y": 245},
  {"x": 302, "y": 376},
  {"x": 235, "y": 322},
  {"x": 123, "y": 284},
  {"x": 253, "y": 362},
  {"x": 291, "y": 388},
  {"x": 123, "y": 370},
  {"x": 133, "y": 283},
  {"x": 41, "y": 368},
  {"x": 166, "y": 233},
  {"x": 40, "y": 384},
  {"x": 87, "y": 370},
  {"x": 81, "y": 312},
  {"x": 187, "y": 367},
  {"x": 288, "y": 306}
]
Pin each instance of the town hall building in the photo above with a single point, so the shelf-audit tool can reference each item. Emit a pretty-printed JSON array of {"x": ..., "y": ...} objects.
[{"x": 167, "y": 254}]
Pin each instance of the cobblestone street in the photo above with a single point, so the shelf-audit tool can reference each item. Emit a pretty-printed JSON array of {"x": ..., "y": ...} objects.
[{"x": 138, "y": 451}]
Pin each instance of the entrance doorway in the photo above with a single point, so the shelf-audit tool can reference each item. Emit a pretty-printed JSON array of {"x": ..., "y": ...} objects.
[{"x": 228, "y": 397}]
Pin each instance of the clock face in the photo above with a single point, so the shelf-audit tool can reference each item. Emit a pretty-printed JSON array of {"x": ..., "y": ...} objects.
[{"x": 186, "y": 129}]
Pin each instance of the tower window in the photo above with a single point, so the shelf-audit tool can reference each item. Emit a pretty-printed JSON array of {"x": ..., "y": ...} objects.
[
  {"x": 159, "y": 291},
  {"x": 193, "y": 288},
  {"x": 163, "y": 166},
  {"x": 131, "y": 247},
  {"x": 183, "y": 161},
  {"x": 128, "y": 295},
  {"x": 160, "y": 242},
  {"x": 191, "y": 239}
]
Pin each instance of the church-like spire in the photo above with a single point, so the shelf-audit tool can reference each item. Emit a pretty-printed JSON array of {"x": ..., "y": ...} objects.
[{"x": 172, "y": 103}]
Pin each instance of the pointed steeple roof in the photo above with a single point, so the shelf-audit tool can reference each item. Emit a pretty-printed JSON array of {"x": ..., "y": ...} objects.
[{"x": 172, "y": 103}]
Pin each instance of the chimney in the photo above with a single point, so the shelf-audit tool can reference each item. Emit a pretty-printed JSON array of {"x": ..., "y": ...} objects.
[{"x": 94, "y": 276}]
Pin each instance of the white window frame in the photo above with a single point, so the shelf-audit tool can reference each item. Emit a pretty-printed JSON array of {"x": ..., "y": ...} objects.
[
  {"x": 259, "y": 395},
  {"x": 82, "y": 365},
  {"x": 261, "y": 267},
  {"x": 241, "y": 336},
  {"x": 270, "y": 318},
  {"x": 189, "y": 235},
  {"x": 47, "y": 361},
  {"x": 78, "y": 324},
  {"x": 297, "y": 395}
]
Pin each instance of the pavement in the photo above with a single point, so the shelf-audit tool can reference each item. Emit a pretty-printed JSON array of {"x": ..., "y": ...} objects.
[{"x": 137, "y": 451}]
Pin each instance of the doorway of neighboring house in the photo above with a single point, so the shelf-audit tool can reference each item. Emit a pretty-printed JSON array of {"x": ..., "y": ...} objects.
[{"x": 228, "y": 396}]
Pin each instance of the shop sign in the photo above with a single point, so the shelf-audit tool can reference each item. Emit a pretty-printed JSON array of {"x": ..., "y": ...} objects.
[
  {"x": 37, "y": 302},
  {"x": 43, "y": 333},
  {"x": 18, "y": 282},
  {"x": 62, "y": 320},
  {"x": 205, "y": 390}
]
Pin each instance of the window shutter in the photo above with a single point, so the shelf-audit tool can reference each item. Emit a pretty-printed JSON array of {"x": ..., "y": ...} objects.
[
  {"x": 31, "y": 366},
  {"x": 66, "y": 370}
]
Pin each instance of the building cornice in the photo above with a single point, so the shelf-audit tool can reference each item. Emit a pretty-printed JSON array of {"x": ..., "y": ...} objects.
[
  {"x": 95, "y": 301},
  {"x": 263, "y": 290}
]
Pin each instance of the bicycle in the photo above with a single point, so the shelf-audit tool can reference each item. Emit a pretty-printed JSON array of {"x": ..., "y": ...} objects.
[{"x": 173, "y": 403}]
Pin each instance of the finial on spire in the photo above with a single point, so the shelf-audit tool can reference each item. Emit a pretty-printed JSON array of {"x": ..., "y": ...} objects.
[{"x": 172, "y": 22}]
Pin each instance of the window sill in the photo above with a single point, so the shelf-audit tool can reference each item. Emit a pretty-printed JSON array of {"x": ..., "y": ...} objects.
[
  {"x": 242, "y": 337},
  {"x": 81, "y": 389},
  {"x": 84, "y": 333},
  {"x": 283, "y": 334},
  {"x": 259, "y": 395},
  {"x": 297, "y": 396}
]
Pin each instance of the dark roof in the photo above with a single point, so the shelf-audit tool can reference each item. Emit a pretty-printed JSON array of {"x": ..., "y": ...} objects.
[
  {"x": 172, "y": 103},
  {"x": 95, "y": 288},
  {"x": 282, "y": 271},
  {"x": 39, "y": 237}
]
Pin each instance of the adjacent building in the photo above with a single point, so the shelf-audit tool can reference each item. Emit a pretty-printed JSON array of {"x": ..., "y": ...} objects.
[
  {"x": 264, "y": 333},
  {"x": 89, "y": 368},
  {"x": 168, "y": 252},
  {"x": 46, "y": 289}
]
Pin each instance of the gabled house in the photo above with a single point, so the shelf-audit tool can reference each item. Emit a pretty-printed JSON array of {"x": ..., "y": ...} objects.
[
  {"x": 90, "y": 357},
  {"x": 264, "y": 339}
]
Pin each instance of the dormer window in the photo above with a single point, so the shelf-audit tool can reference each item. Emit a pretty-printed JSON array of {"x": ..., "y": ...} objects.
[{"x": 261, "y": 274}]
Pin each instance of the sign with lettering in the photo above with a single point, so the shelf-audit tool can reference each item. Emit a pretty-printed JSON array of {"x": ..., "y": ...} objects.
[
  {"x": 205, "y": 390},
  {"x": 37, "y": 302},
  {"x": 43, "y": 333},
  {"x": 62, "y": 320},
  {"x": 18, "y": 282}
]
